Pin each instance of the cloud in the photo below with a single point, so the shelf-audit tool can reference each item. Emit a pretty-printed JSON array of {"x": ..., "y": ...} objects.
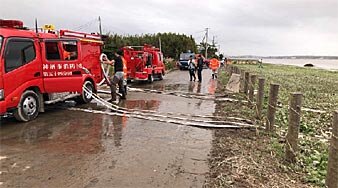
[{"x": 261, "y": 27}]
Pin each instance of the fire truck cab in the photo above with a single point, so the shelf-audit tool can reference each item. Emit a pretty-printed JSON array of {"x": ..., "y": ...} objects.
[
  {"x": 38, "y": 68},
  {"x": 144, "y": 63}
]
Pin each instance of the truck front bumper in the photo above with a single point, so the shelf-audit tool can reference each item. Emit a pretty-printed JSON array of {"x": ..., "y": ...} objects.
[{"x": 3, "y": 108}]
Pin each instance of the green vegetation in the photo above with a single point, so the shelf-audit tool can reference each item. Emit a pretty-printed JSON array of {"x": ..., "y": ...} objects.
[
  {"x": 169, "y": 64},
  {"x": 172, "y": 44},
  {"x": 320, "y": 92}
]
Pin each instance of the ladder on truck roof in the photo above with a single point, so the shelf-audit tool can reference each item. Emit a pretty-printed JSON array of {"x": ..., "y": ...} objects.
[{"x": 82, "y": 36}]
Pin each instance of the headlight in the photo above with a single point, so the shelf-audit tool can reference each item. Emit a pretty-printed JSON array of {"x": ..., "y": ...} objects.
[{"x": 2, "y": 94}]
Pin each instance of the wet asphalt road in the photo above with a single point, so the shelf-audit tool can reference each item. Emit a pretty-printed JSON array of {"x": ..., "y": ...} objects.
[{"x": 63, "y": 148}]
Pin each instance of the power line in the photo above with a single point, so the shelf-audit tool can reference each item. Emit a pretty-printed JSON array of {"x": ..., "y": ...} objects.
[
  {"x": 85, "y": 25},
  {"x": 198, "y": 32}
]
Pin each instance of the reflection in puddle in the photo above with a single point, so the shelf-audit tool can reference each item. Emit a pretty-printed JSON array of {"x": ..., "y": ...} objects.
[
  {"x": 141, "y": 104},
  {"x": 175, "y": 87},
  {"x": 195, "y": 87},
  {"x": 113, "y": 128},
  {"x": 113, "y": 125},
  {"x": 156, "y": 85},
  {"x": 212, "y": 85}
]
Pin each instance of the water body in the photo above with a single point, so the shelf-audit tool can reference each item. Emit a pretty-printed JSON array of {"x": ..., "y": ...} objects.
[{"x": 318, "y": 63}]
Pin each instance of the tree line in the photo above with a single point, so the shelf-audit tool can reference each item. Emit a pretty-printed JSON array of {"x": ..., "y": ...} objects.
[{"x": 172, "y": 43}]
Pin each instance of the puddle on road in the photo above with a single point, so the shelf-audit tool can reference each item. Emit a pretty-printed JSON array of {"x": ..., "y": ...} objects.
[
  {"x": 212, "y": 85},
  {"x": 180, "y": 82},
  {"x": 140, "y": 104}
]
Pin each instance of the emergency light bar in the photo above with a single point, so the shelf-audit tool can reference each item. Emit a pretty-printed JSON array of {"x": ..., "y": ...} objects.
[{"x": 11, "y": 23}]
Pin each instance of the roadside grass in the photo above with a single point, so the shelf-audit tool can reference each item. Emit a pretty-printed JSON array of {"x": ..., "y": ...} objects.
[
  {"x": 247, "y": 158},
  {"x": 320, "y": 92},
  {"x": 170, "y": 64}
]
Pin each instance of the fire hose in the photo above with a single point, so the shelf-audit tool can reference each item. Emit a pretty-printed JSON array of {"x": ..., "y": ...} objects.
[
  {"x": 119, "y": 111},
  {"x": 144, "y": 114},
  {"x": 105, "y": 72}
]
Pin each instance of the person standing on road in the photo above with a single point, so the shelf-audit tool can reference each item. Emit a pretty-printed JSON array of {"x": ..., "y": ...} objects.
[
  {"x": 200, "y": 63},
  {"x": 118, "y": 77},
  {"x": 191, "y": 67},
  {"x": 214, "y": 65},
  {"x": 125, "y": 72}
]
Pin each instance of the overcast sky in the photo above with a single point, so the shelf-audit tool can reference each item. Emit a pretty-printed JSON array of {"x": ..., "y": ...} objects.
[{"x": 240, "y": 27}]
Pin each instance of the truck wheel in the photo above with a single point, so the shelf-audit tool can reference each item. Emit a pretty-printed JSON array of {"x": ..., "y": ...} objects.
[
  {"x": 160, "y": 76},
  {"x": 150, "y": 78},
  {"x": 87, "y": 96},
  {"x": 28, "y": 108}
]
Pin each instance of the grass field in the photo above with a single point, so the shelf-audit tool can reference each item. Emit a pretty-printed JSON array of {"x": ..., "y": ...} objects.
[{"x": 320, "y": 92}]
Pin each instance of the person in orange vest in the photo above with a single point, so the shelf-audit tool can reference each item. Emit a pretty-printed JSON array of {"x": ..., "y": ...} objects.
[
  {"x": 214, "y": 65},
  {"x": 125, "y": 71}
]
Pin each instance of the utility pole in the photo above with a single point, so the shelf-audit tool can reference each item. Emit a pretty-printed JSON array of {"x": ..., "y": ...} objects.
[
  {"x": 219, "y": 49},
  {"x": 100, "y": 28},
  {"x": 206, "y": 42},
  {"x": 159, "y": 41}
]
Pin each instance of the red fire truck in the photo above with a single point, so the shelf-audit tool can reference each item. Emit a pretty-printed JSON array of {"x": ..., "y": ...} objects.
[
  {"x": 144, "y": 63},
  {"x": 38, "y": 68}
]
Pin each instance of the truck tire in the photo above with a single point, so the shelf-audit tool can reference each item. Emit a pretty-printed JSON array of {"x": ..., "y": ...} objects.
[
  {"x": 160, "y": 76},
  {"x": 86, "y": 97},
  {"x": 150, "y": 78},
  {"x": 28, "y": 107}
]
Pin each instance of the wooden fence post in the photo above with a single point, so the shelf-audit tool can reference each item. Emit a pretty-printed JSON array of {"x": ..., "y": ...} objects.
[
  {"x": 332, "y": 168},
  {"x": 252, "y": 82},
  {"x": 246, "y": 82},
  {"x": 291, "y": 147},
  {"x": 242, "y": 81},
  {"x": 272, "y": 105},
  {"x": 237, "y": 70},
  {"x": 260, "y": 97}
]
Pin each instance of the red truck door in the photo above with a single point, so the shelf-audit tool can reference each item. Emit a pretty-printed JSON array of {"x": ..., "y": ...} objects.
[
  {"x": 22, "y": 67},
  {"x": 62, "y": 69}
]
